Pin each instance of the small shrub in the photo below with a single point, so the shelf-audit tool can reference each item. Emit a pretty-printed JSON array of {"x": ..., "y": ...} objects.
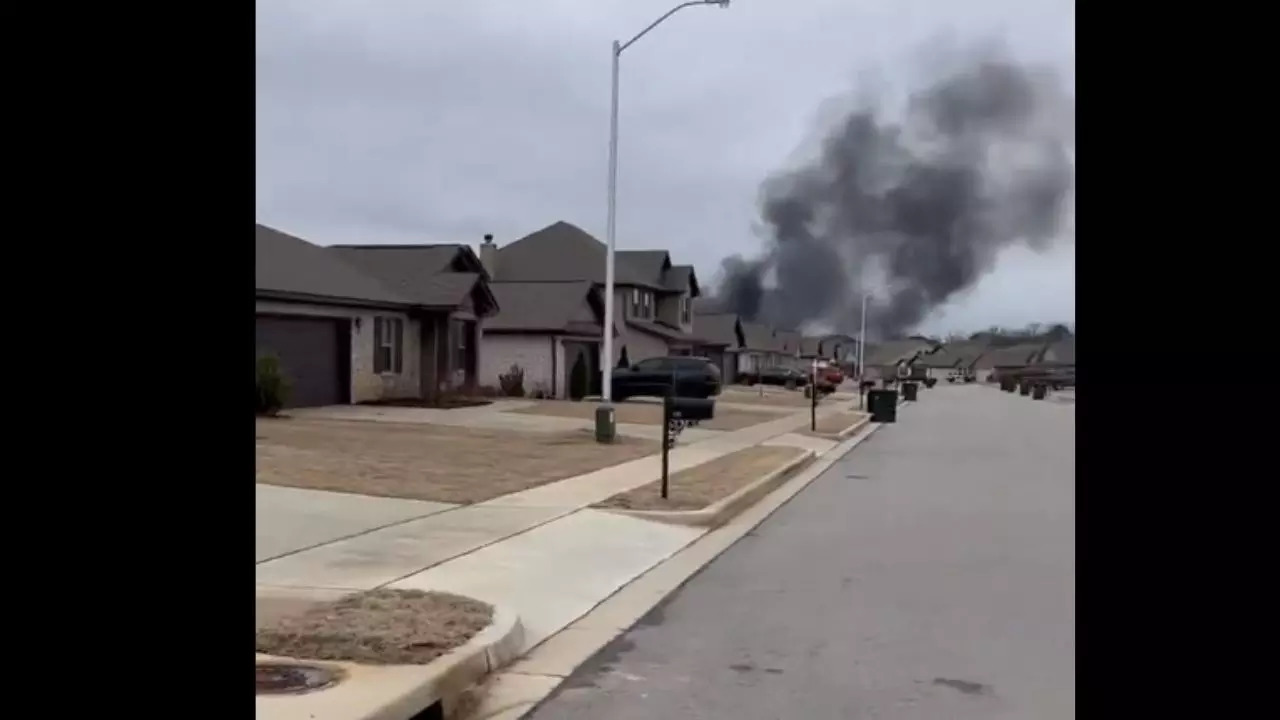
[
  {"x": 540, "y": 392},
  {"x": 272, "y": 386},
  {"x": 512, "y": 381}
]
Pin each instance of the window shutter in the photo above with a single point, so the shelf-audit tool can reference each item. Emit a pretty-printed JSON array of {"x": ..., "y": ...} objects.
[
  {"x": 399, "y": 346},
  {"x": 377, "y": 346}
]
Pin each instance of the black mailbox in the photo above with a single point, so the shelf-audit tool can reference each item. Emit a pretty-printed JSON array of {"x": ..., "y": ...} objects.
[
  {"x": 677, "y": 414},
  {"x": 683, "y": 408}
]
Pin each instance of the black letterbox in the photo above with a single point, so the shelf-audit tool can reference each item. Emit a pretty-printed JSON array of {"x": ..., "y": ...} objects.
[{"x": 683, "y": 408}]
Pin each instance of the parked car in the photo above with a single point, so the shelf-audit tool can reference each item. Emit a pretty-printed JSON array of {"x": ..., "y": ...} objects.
[
  {"x": 692, "y": 376},
  {"x": 774, "y": 376},
  {"x": 830, "y": 372}
]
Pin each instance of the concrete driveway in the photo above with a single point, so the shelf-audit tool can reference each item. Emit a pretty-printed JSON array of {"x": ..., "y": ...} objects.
[
  {"x": 291, "y": 519},
  {"x": 929, "y": 574}
]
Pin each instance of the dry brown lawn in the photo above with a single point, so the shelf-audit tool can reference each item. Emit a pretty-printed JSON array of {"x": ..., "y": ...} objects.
[
  {"x": 380, "y": 627},
  {"x": 702, "y": 485},
  {"x": 774, "y": 396},
  {"x": 833, "y": 424},
  {"x": 427, "y": 462},
  {"x": 646, "y": 414}
]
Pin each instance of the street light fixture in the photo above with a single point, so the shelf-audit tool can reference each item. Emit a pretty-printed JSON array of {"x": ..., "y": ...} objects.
[{"x": 605, "y": 425}]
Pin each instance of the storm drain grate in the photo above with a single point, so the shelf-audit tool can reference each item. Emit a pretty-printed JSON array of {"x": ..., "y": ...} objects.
[{"x": 280, "y": 678}]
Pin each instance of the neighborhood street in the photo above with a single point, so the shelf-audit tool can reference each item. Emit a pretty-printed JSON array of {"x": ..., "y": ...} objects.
[{"x": 929, "y": 574}]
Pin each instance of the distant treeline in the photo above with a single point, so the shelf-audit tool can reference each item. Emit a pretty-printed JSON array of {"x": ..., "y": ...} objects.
[{"x": 996, "y": 335}]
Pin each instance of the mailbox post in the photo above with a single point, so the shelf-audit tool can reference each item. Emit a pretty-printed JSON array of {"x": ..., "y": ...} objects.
[
  {"x": 677, "y": 414},
  {"x": 813, "y": 396}
]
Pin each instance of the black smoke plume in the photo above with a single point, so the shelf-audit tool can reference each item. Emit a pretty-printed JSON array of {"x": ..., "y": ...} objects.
[{"x": 913, "y": 209}]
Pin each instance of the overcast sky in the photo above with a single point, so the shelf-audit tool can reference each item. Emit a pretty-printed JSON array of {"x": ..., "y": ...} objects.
[{"x": 387, "y": 121}]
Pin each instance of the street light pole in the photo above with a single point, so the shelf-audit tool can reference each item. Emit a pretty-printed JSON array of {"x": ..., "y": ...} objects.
[
  {"x": 605, "y": 425},
  {"x": 862, "y": 355}
]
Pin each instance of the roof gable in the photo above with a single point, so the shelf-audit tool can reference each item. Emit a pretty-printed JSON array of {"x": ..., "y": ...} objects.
[
  {"x": 569, "y": 307},
  {"x": 719, "y": 329},
  {"x": 430, "y": 275},
  {"x": 288, "y": 265}
]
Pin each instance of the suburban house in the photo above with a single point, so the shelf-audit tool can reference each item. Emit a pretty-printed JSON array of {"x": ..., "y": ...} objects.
[
  {"x": 451, "y": 287},
  {"x": 842, "y": 349},
  {"x": 551, "y": 331},
  {"x": 1014, "y": 357},
  {"x": 789, "y": 347},
  {"x": 653, "y": 299},
  {"x": 839, "y": 349},
  {"x": 762, "y": 349},
  {"x": 885, "y": 359},
  {"x": 350, "y": 327},
  {"x": 1061, "y": 353},
  {"x": 723, "y": 342},
  {"x": 961, "y": 356}
]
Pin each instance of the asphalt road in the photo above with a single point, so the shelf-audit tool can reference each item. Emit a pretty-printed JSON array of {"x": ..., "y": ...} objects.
[{"x": 929, "y": 574}]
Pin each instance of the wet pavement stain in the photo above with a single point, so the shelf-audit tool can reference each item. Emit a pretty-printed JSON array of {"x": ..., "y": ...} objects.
[
  {"x": 602, "y": 662},
  {"x": 749, "y": 667},
  {"x": 964, "y": 686}
]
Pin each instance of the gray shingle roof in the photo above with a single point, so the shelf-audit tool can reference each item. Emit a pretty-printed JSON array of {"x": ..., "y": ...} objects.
[
  {"x": 563, "y": 252},
  {"x": 760, "y": 337},
  {"x": 289, "y": 265},
  {"x": 1013, "y": 356},
  {"x": 543, "y": 307},
  {"x": 894, "y": 351},
  {"x": 1063, "y": 352},
  {"x": 718, "y": 329},
  {"x": 951, "y": 355},
  {"x": 646, "y": 266},
  {"x": 418, "y": 272},
  {"x": 811, "y": 346},
  {"x": 788, "y": 341},
  {"x": 665, "y": 332},
  {"x": 679, "y": 278}
]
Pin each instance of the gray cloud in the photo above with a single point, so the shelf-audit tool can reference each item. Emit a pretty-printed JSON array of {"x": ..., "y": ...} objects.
[{"x": 391, "y": 120}]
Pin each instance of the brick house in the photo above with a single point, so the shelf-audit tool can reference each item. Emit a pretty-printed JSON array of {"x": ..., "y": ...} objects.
[
  {"x": 347, "y": 328},
  {"x": 653, "y": 310},
  {"x": 546, "y": 329}
]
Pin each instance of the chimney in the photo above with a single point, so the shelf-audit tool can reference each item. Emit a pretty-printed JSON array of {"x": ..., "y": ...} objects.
[{"x": 489, "y": 256}]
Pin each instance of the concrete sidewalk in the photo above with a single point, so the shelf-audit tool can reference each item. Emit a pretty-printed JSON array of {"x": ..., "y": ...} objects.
[
  {"x": 418, "y": 537},
  {"x": 542, "y": 553}
]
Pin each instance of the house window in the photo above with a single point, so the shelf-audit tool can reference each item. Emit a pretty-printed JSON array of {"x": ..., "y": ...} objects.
[
  {"x": 685, "y": 306},
  {"x": 388, "y": 344},
  {"x": 648, "y": 305},
  {"x": 635, "y": 302}
]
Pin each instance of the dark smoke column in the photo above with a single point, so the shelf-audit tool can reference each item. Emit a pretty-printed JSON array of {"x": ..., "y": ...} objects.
[{"x": 916, "y": 210}]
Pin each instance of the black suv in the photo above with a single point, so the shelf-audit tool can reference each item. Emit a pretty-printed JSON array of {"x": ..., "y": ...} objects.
[{"x": 695, "y": 377}]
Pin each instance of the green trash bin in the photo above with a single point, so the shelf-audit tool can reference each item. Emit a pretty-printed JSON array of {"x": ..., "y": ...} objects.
[
  {"x": 883, "y": 405},
  {"x": 1024, "y": 388},
  {"x": 909, "y": 391},
  {"x": 1039, "y": 391}
]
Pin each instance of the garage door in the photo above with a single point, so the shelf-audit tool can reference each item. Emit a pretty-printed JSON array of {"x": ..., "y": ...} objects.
[{"x": 314, "y": 354}]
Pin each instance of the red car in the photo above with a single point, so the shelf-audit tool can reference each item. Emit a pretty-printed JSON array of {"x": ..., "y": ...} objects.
[{"x": 831, "y": 373}]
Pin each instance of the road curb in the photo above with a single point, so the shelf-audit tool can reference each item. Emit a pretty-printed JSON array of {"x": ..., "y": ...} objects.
[
  {"x": 539, "y": 676},
  {"x": 846, "y": 433},
  {"x": 721, "y": 511},
  {"x": 400, "y": 692}
]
